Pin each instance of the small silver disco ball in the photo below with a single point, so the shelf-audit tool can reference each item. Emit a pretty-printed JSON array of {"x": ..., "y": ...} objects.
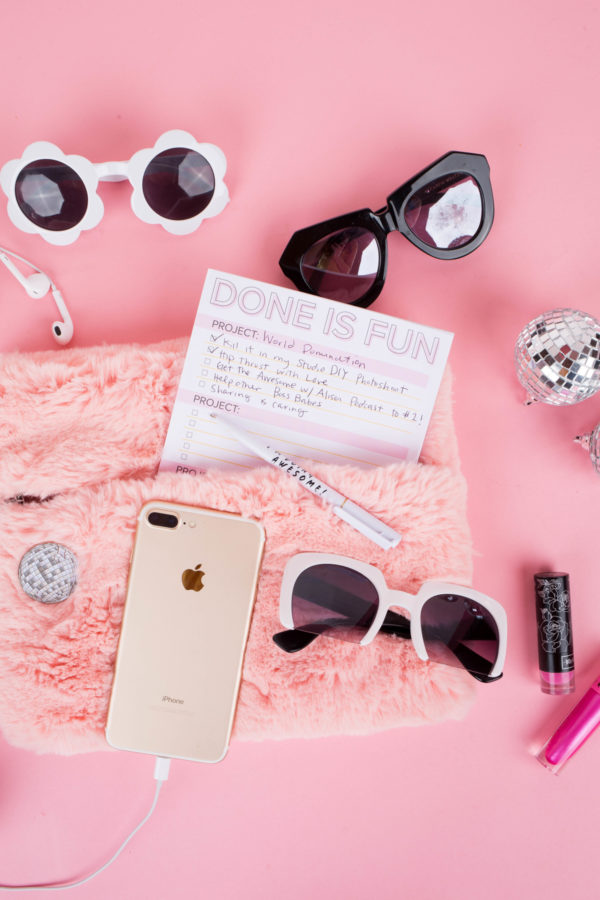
[
  {"x": 591, "y": 443},
  {"x": 48, "y": 572},
  {"x": 557, "y": 357}
]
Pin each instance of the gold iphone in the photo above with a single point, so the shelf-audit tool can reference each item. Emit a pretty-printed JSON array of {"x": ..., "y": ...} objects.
[{"x": 191, "y": 590}]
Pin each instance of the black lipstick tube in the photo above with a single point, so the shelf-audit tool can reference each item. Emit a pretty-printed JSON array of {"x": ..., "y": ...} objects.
[{"x": 554, "y": 631}]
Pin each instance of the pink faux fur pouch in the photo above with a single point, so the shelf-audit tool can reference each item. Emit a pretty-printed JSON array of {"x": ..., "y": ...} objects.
[{"x": 85, "y": 428}]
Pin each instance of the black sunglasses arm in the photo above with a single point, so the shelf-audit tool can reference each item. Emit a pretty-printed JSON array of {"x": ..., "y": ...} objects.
[
  {"x": 294, "y": 639},
  {"x": 396, "y": 624},
  {"x": 485, "y": 679}
]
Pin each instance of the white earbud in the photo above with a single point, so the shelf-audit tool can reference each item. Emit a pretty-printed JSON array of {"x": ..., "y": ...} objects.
[
  {"x": 63, "y": 330},
  {"x": 37, "y": 286}
]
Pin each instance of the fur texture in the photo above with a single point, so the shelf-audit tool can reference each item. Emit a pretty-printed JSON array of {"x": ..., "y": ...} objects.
[{"x": 86, "y": 427}]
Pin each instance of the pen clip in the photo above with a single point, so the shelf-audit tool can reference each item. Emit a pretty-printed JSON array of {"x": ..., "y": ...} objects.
[{"x": 381, "y": 540}]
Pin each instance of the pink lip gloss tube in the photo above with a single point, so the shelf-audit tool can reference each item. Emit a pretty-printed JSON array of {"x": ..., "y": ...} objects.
[
  {"x": 573, "y": 731},
  {"x": 554, "y": 631}
]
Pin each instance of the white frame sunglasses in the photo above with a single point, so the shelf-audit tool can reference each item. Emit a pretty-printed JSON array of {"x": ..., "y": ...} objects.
[
  {"x": 132, "y": 170},
  {"x": 296, "y": 638}
]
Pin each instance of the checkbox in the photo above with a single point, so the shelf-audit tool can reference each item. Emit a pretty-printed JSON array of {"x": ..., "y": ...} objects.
[
  {"x": 189, "y": 434},
  {"x": 207, "y": 361},
  {"x": 205, "y": 373},
  {"x": 191, "y": 424},
  {"x": 194, "y": 412},
  {"x": 183, "y": 456},
  {"x": 201, "y": 383},
  {"x": 186, "y": 446}
]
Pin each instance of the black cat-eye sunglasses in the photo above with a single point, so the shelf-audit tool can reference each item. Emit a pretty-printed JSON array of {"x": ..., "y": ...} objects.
[{"x": 446, "y": 210}]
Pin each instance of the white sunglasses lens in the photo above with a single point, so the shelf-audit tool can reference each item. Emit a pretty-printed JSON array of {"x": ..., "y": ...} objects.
[
  {"x": 51, "y": 195},
  {"x": 178, "y": 183},
  {"x": 334, "y": 600},
  {"x": 458, "y": 631}
]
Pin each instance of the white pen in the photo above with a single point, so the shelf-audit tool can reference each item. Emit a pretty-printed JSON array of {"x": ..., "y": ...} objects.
[{"x": 346, "y": 509}]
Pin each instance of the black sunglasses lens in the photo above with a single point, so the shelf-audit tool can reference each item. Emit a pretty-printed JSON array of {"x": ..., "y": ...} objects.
[
  {"x": 178, "y": 183},
  {"x": 343, "y": 265},
  {"x": 51, "y": 195},
  {"x": 446, "y": 213},
  {"x": 334, "y": 600},
  {"x": 460, "y": 632}
]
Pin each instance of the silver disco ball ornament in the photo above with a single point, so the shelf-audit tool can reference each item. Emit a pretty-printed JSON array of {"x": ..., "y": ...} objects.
[
  {"x": 48, "y": 572},
  {"x": 591, "y": 443},
  {"x": 557, "y": 357}
]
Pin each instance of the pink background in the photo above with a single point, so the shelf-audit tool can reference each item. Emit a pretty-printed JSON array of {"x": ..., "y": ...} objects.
[{"x": 321, "y": 108}]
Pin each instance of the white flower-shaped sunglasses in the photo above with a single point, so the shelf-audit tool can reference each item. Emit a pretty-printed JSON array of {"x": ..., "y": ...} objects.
[
  {"x": 343, "y": 598},
  {"x": 177, "y": 184}
]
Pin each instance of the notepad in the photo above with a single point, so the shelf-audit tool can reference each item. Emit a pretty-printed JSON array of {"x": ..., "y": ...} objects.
[{"x": 318, "y": 379}]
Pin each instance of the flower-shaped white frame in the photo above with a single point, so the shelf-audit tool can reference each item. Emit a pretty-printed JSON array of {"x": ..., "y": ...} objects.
[
  {"x": 84, "y": 169},
  {"x": 388, "y": 599},
  {"x": 132, "y": 171}
]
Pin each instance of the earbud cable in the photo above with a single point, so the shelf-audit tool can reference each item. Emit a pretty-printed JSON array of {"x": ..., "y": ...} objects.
[
  {"x": 27, "y": 263},
  {"x": 161, "y": 773}
]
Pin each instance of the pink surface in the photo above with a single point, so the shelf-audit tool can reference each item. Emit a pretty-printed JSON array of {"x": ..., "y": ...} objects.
[{"x": 322, "y": 108}]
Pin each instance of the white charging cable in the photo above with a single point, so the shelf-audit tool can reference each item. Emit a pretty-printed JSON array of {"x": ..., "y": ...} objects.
[{"x": 161, "y": 773}]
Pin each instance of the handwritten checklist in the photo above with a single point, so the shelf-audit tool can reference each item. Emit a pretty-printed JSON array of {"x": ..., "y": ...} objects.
[{"x": 315, "y": 378}]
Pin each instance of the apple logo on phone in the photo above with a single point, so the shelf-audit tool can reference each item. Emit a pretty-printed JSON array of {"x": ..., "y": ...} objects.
[{"x": 192, "y": 578}]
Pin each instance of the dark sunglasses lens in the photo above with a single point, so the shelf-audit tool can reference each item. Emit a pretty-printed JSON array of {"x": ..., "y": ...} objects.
[
  {"x": 334, "y": 600},
  {"x": 51, "y": 195},
  {"x": 446, "y": 213},
  {"x": 178, "y": 183},
  {"x": 343, "y": 265},
  {"x": 460, "y": 632}
]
